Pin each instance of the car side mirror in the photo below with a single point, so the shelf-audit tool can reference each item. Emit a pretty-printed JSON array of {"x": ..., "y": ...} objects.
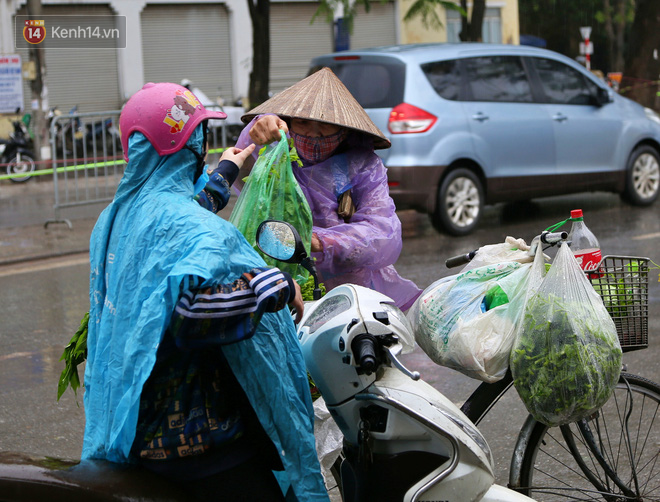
[{"x": 603, "y": 97}]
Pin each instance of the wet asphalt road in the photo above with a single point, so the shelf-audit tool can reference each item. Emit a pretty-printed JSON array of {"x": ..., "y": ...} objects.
[{"x": 42, "y": 304}]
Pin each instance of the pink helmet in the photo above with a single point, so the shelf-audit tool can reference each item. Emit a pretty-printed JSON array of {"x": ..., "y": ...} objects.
[{"x": 166, "y": 114}]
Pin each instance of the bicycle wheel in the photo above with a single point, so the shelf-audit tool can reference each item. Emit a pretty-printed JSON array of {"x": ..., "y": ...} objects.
[{"x": 614, "y": 455}]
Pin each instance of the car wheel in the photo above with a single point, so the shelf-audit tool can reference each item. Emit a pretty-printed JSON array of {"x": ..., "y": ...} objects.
[
  {"x": 460, "y": 203},
  {"x": 643, "y": 176}
]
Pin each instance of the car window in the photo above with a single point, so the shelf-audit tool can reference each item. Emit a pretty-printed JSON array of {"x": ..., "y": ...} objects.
[
  {"x": 445, "y": 78},
  {"x": 563, "y": 84},
  {"x": 497, "y": 78},
  {"x": 373, "y": 84}
]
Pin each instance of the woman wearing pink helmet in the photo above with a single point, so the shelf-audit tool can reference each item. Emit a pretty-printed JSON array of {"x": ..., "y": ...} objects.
[{"x": 188, "y": 338}]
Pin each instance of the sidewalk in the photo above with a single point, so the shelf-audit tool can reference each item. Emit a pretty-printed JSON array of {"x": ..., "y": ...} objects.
[
  {"x": 24, "y": 210},
  {"x": 34, "y": 242}
]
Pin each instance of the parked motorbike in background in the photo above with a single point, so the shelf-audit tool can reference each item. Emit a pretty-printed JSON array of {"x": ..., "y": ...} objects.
[
  {"x": 77, "y": 139},
  {"x": 403, "y": 440},
  {"x": 15, "y": 154}
]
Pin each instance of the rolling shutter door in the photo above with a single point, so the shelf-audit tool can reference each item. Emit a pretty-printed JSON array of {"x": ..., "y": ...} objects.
[
  {"x": 294, "y": 41},
  {"x": 374, "y": 28},
  {"x": 84, "y": 77},
  {"x": 191, "y": 41}
]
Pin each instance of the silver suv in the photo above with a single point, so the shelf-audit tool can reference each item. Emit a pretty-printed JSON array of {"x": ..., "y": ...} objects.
[{"x": 474, "y": 124}]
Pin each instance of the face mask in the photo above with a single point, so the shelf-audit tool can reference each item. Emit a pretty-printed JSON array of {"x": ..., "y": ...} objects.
[
  {"x": 202, "y": 180},
  {"x": 317, "y": 149}
]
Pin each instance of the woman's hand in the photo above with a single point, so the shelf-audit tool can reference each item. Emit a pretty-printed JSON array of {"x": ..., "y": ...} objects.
[
  {"x": 236, "y": 155},
  {"x": 297, "y": 303},
  {"x": 317, "y": 245},
  {"x": 267, "y": 129}
]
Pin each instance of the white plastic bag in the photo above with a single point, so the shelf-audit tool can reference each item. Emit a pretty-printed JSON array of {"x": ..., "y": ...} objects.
[
  {"x": 456, "y": 327},
  {"x": 511, "y": 249},
  {"x": 329, "y": 441}
]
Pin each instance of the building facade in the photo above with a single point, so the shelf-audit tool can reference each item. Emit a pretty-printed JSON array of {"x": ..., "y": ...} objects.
[{"x": 210, "y": 43}]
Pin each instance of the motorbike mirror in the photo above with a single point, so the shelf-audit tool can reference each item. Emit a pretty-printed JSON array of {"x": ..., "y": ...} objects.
[{"x": 280, "y": 240}]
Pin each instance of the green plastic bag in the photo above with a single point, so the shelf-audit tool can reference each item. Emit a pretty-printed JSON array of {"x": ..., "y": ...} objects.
[{"x": 271, "y": 192}]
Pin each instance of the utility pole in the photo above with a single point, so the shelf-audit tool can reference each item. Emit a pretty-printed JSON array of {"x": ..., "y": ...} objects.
[{"x": 38, "y": 56}]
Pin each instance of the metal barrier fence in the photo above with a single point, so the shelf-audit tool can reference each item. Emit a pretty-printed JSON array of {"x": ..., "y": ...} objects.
[{"x": 88, "y": 161}]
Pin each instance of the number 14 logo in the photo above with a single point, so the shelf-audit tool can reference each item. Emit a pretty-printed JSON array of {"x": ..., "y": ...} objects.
[{"x": 34, "y": 31}]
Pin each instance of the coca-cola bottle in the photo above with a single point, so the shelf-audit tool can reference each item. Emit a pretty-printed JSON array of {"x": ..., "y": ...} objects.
[{"x": 584, "y": 244}]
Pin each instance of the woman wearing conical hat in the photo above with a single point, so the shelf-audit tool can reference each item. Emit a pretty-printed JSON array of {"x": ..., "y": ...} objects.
[{"x": 356, "y": 234}]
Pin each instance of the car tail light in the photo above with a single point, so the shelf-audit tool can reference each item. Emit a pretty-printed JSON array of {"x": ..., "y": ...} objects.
[{"x": 408, "y": 119}]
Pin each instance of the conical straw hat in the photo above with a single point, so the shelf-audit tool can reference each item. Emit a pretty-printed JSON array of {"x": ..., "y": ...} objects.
[{"x": 322, "y": 97}]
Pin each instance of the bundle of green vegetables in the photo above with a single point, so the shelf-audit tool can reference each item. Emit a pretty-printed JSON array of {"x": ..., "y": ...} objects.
[
  {"x": 617, "y": 290},
  {"x": 565, "y": 366},
  {"x": 271, "y": 192},
  {"x": 567, "y": 358}
]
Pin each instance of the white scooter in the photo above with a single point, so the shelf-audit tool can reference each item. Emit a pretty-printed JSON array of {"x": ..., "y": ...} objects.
[{"x": 403, "y": 440}]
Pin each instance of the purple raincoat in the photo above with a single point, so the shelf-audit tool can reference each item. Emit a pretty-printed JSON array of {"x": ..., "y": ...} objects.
[{"x": 364, "y": 250}]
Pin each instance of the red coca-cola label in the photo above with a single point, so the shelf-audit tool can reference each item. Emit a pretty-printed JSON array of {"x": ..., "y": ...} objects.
[{"x": 589, "y": 259}]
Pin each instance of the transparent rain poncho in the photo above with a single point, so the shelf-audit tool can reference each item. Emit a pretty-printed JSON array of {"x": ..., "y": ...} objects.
[
  {"x": 364, "y": 250},
  {"x": 143, "y": 247}
]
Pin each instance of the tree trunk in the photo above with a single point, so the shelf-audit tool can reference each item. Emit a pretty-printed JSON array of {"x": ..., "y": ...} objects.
[
  {"x": 477, "y": 20},
  {"x": 37, "y": 54},
  {"x": 642, "y": 70},
  {"x": 609, "y": 32},
  {"x": 260, "y": 74},
  {"x": 620, "y": 32},
  {"x": 471, "y": 27}
]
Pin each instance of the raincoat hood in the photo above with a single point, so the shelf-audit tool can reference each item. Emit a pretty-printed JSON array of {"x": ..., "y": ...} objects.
[{"x": 144, "y": 246}]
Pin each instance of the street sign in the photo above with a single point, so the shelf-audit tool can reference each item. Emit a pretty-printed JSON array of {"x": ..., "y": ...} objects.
[
  {"x": 586, "y": 48},
  {"x": 11, "y": 83}
]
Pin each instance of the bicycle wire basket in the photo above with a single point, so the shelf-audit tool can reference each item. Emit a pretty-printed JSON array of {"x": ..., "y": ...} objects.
[{"x": 623, "y": 284}]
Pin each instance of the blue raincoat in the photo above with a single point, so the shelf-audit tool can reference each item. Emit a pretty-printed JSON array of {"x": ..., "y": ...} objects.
[{"x": 145, "y": 243}]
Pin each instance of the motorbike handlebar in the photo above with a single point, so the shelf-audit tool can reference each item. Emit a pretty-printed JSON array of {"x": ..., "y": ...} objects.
[
  {"x": 461, "y": 259},
  {"x": 364, "y": 350},
  {"x": 546, "y": 238},
  {"x": 553, "y": 237}
]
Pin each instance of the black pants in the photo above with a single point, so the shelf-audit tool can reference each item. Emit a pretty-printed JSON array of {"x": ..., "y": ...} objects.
[{"x": 250, "y": 481}]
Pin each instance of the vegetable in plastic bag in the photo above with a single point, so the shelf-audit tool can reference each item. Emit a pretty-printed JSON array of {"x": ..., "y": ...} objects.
[
  {"x": 567, "y": 358},
  {"x": 271, "y": 192}
]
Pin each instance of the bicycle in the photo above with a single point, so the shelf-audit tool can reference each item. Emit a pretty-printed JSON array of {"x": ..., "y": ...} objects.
[{"x": 614, "y": 454}]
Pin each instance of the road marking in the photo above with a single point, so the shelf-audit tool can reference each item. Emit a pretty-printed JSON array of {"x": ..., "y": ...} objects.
[
  {"x": 15, "y": 355},
  {"x": 646, "y": 236},
  {"x": 45, "y": 264}
]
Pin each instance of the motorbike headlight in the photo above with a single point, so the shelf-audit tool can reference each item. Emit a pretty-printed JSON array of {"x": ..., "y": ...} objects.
[
  {"x": 327, "y": 309},
  {"x": 652, "y": 115}
]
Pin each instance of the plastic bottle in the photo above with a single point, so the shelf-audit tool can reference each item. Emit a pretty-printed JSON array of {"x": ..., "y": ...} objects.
[{"x": 584, "y": 244}]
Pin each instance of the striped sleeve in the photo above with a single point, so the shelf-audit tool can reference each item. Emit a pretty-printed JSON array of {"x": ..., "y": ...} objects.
[
  {"x": 216, "y": 193},
  {"x": 227, "y": 313}
]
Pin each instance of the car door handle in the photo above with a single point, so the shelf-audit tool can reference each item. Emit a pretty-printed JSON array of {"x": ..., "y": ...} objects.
[
  {"x": 480, "y": 116},
  {"x": 559, "y": 117}
]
